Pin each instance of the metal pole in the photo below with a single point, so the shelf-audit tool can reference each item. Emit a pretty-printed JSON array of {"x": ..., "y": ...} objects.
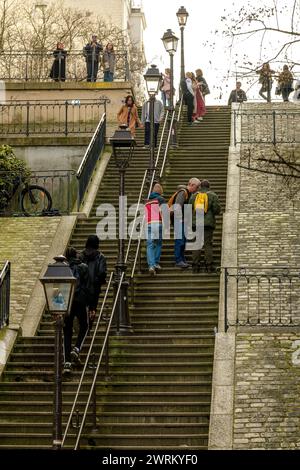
[
  {"x": 57, "y": 405},
  {"x": 152, "y": 139},
  {"x": 172, "y": 83},
  {"x": 66, "y": 117},
  {"x": 274, "y": 126},
  {"x": 182, "y": 71},
  {"x": 121, "y": 321},
  {"x": 27, "y": 117},
  {"x": 225, "y": 300}
]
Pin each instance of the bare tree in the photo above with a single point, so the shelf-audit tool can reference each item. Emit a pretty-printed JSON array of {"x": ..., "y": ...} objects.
[{"x": 275, "y": 24}]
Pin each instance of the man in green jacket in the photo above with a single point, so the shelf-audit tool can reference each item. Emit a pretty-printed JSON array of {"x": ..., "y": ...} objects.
[{"x": 211, "y": 207}]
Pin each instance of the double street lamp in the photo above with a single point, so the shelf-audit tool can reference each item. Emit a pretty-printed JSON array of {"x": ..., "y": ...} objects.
[
  {"x": 182, "y": 16},
  {"x": 153, "y": 80},
  {"x": 59, "y": 286},
  {"x": 123, "y": 147}
]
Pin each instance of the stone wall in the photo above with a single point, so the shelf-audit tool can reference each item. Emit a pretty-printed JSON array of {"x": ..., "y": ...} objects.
[
  {"x": 25, "y": 242},
  {"x": 267, "y": 375},
  {"x": 267, "y": 391}
]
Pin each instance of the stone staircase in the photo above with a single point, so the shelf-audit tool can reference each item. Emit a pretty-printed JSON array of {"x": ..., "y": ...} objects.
[{"x": 159, "y": 392}]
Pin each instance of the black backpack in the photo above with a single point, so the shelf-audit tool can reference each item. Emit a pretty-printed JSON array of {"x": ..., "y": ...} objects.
[{"x": 81, "y": 287}]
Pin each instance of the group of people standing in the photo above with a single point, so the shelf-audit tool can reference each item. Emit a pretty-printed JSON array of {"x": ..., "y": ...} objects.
[
  {"x": 197, "y": 194},
  {"x": 285, "y": 85},
  {"x": 194, "y": 89},
  {"x": 94, "y": 56}
]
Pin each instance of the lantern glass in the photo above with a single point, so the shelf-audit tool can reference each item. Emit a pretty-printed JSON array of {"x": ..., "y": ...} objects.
[
  {"x": 182, "y": 16},
  {"x": 153, "y": 80},
  {"x": 59, "y": 296},
  {"x": 170, "y": 42}
]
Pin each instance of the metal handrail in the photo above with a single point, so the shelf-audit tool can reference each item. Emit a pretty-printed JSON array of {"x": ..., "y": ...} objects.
[
  {"x": 90, "y": 159},
  {"x": 86, "y": 155},
  {"x": 88, "y": 357},
  {"x": 144, "y": 183},
  {"x": 104, "y": 345},
  {"x": 161, "y": 173},
  {"x": 5, "y": 298},
  {"x": 259, "y": 279}
]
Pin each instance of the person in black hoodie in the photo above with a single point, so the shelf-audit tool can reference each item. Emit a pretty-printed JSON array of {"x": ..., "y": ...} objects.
[
  {"x": 79, "y": 307},
  {"x": 96, "y": 263}
]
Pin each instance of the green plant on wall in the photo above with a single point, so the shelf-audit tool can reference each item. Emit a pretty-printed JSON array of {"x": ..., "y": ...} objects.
[{"x": 12, "y": 172}]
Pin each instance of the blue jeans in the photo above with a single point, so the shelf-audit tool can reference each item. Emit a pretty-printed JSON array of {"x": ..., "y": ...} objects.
[
  {"x": 154, "y": 244},
  {"x": 108, "y": 76},
  {"x": 179, "y": 248}
]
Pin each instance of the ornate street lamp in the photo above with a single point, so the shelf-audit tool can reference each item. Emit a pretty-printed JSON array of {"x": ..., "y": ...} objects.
[
  {"x": 170, "y": 42},
  {"x": 59, "y": 285},
  {"x": 123, "y": 147},
  {"x": 153, "y": 80},
  {"x": 182, "y": 16}
]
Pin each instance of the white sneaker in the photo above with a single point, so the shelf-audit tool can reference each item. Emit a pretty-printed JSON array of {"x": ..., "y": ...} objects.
[{"x": 152, "y": 271}]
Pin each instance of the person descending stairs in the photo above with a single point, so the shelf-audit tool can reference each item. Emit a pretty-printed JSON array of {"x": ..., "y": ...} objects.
[{"x": 159, "y": 392}]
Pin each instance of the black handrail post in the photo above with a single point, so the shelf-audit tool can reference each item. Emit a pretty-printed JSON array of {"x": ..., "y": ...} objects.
[
  {"x": 225, "y": 300},
  {"x": 274, "y": 127},
  {"x": 94, "y": 406},
  {"x": 26, "y": 67},
  {"x": 127, "y": 71},
  {"x": 234, "y": 126},
  {"x": 27, "y": 117},
  {"x": 107, "y": 354},
  {"x": 58, "y": 358},
  {"x": 66, "y": 117}
]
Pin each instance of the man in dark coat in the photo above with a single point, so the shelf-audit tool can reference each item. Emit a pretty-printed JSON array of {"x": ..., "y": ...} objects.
[
  {"x": 78, "y": 309},
  {"x": 213, "y": 209},
  {"x": 97, "y": 271},
  {"x": 238, "y": 95},
  {"x": 188, "y": 97},
  {"x": 91, "y": 53}
]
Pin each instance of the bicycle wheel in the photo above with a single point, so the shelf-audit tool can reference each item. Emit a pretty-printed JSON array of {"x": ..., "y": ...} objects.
[{"x": 35, "y": 200}]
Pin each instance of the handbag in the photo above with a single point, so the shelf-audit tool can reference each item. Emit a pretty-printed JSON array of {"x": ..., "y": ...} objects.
[{"x": 278, "y": 90}]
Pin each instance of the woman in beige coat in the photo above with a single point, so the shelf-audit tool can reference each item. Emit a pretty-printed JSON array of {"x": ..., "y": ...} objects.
[{"x": 128, "y": 115}]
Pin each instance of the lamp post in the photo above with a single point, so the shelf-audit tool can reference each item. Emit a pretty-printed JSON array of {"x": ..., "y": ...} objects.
[
  {"x": 170, "y": 42},
  {"x": 123, "y": 147},
  {"x": 153, "y": 79},
  {"x": 59, "y": 285},
  {"x": 182, "y": 16}
]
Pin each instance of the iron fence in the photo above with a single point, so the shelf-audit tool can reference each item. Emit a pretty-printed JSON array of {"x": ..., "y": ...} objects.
[
  {"x": 266, "y": 127},
  {"x": 48, "y": 117},
  {"x": 262, "y": 296},
  {"x": 90, "y": 159},
  {"x": 44, "y": 193},
  {"x": 36, "y": 65},
  {"x": 4, "y": 295}
]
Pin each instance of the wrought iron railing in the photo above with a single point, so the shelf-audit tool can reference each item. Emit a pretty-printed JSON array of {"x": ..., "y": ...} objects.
[
  {"x": 90, "y": 159},
  {"x": 68, "y": 117},
  {"x": 44, "y": 193},
  {"x": 36, "y": 66},
  {"x": 96, "y": 363},
  {"x": 266, "y": 127},
  {"x": 261, "y": 296},
  {"x": 4, "y": 294}
]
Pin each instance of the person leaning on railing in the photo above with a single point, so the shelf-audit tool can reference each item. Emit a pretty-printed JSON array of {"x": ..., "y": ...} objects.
[
  {"x": 58, "y": 69},
  {"x": 285, "y": 83},
  {"x": 91, "y": 53},
  {"x": 109, "y": 62}
]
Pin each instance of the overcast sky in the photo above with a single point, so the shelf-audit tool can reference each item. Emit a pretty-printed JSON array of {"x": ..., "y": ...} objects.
[{"x": 204, "y": 20}]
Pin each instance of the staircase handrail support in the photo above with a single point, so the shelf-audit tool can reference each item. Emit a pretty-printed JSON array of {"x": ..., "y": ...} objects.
[
  {"x": 5, "y": 299},
  {"x": 88, "y": 357},
  {"x": 101, "y": 127}
]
